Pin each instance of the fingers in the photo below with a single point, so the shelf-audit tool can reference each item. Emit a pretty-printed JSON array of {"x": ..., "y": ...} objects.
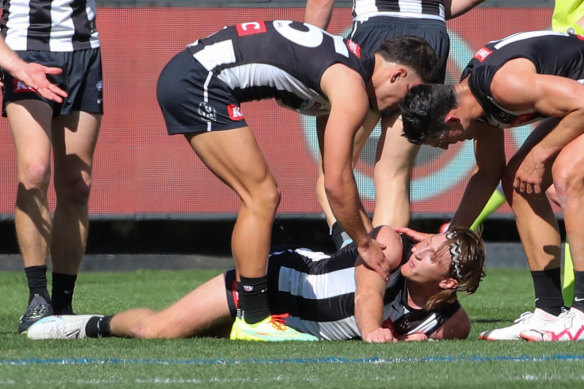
[
  {"x": 526, "y": 187},
  {"x": 417, "y": 337},
  {"x": 415, "y": 235},
  {"x": 49, "y": 70},
  {"x": 381, "y": 335},
  {"x": 383, "y": 269},
  {"x": 35, "y": 76},
  {"x": 52, "y": 92}
]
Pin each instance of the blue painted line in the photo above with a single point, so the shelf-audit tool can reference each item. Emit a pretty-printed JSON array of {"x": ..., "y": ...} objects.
[{"x": 298, "y": 361}]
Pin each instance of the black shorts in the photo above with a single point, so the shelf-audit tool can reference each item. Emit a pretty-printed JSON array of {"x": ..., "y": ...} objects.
[
  {"x": 193, "y": 100},
  {"x": 370, "y": 33},
  {"x": 81, "y": 79}
]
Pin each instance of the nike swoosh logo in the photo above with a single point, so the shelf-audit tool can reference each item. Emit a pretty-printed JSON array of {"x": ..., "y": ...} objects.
[
  {"x": 73, "y": 334},
  {"x": 578, "y": 299}
]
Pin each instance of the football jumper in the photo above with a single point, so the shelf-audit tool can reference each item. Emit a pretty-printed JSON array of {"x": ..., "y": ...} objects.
[
  {"x": 420, "y": 9},
  {"x": 552, "y": 53},
  {"x": 317, "y": 291},
  {"x": 280, "y": 59},
  {"x": 49, "y": 25}
]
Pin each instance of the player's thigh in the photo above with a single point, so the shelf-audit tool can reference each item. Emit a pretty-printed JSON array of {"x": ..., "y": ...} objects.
[
  {"x": 235, "y": 157},
  {"x": 30, "y": 123},
  {"x": 74, "y": 138},
  {"x": 543, "y": 128}
]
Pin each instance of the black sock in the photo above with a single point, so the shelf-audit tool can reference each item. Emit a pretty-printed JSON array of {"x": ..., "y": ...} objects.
[
  {"x": 36, "y": 277},
  {"x": 578, "y": 301},
  {"x": 339, "y": 235},
  {"x": 98, "y": 326},
  {"x": 548, "y": 290},
  {"x": 253, "y": 299},
  {"x": 63, "y": 286}
]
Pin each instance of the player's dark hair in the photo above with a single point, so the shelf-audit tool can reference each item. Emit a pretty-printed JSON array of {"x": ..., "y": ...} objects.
[
  {"x": 424, "y": 111},
  {"x": 413, "y": 52}
]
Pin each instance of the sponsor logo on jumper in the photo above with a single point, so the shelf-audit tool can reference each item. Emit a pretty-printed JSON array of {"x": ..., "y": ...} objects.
[
  {"x": 354, "y": 48},
  {"x": 482, "y": 54},
  {"x": 523, "y": 118},
  {"x": 235, "y": 112},
  {"x": 250, "y": 28},
  {"x": 21, "y": 87}
]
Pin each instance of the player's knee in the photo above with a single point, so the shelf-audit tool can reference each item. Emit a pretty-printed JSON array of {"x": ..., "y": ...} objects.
[
  {"x": 266, "y": 198},
  {"x": 74, "y": 189},
  {"x": 568, "y": 183},
  {"x": 145, "y": 329},
  {"x": 35, "y": 176}
]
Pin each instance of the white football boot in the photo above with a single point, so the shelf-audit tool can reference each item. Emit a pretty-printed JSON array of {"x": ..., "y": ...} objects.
[
  {"x": 59, "y": 327},
  {"x": 568, "y": 328},
  {"x": 535, "y": 320}
]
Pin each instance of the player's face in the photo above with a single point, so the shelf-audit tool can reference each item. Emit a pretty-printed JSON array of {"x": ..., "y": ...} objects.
[
  {"x": 429, "y": 262},
  {"x": 455, "y": 132}
]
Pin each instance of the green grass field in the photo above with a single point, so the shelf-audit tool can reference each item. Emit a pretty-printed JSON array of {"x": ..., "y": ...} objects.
[{"x": 222, "y": 363}]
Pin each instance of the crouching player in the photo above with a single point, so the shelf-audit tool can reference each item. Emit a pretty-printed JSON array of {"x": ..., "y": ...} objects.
[{"x": 315, "y": 294}]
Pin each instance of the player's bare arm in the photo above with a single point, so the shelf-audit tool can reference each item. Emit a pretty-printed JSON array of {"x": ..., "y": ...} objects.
[
  {"x": 454, "y": 8},
  {"x": 349, "y": 105},
  {"x": 369, "y": 305},
  {"x": 319, "y": 12},
  {"x": 457, "y": 327},
  {"x": 370, "y": 290},
  {"x": 551, "y": 96},
  {"x": 490, "y": 162}
]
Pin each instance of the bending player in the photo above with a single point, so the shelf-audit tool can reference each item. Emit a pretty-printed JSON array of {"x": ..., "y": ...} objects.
[
  {"x": 373, "y": 22},
  {"x": 305, "y": 69},
  {"x": 478, "y": 108},
  {"x": 315, "y": 294}
]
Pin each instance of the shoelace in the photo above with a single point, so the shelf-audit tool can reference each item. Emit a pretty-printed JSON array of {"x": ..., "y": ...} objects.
[
  {"x": 524, "y": 317},
  {"x": 568, "y": 319},
  {"x": 279, "y": 322}
]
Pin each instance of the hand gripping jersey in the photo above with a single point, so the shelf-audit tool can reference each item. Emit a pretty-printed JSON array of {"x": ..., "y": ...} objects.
[
  {"x": 278, "y": 59},
  {"x": 318, "y": 291},
  {"x": 552, "y": 53}
]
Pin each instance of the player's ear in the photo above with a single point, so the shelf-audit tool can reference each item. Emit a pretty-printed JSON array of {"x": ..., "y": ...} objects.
[
  {"x": 448, "y": 283},
  {"x": 398, "y": 73},
  {"x": 451, "y": 118}
]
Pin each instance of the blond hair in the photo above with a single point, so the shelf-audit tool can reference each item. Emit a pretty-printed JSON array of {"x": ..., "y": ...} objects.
[{"x": 467, "y": 253}]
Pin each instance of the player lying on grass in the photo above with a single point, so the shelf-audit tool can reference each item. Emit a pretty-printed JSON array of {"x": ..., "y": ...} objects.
[{"x": 315, "y": 293}]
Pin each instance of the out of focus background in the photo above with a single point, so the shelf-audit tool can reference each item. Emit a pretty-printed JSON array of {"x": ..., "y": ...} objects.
[{"x": 151, "y": 195}]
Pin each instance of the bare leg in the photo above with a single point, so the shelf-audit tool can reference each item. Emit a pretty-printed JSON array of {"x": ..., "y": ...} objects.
[
  {"x": 236, "y": 159},
  {"x": 74, "y": 140},
  {"x": 30, "y": 122},
  {"x": 536, "y": 222},
  {"x": 395, "y": 159},
  {"x": 203, "y": 310},
  {"x": 569, "y": 183},
  {"x": 539, "y": 232}
]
